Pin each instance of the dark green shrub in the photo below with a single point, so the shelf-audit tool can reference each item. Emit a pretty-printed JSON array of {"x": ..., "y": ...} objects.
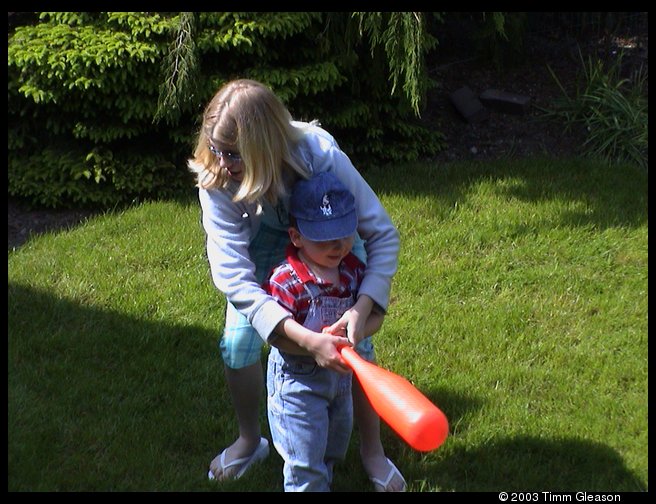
[
  {"x": 82, "y": 95},
  {"x": 89, "y": 122}
]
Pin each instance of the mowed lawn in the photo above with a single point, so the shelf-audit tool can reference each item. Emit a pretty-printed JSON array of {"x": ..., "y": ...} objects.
[{"x": 519, "y": 308}]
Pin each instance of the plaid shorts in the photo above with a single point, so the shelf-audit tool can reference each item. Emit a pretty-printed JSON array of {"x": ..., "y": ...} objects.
[{"x": 241, "y": 345}]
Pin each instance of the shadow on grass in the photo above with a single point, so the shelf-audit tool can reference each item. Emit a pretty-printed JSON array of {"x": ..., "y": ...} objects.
[
  {"x": 526, "y": 463},
  {"x": 457, "y": 406},
  {"x": 101, "y": 401},
  {"x": 520, "y": 463},
  {"x": 610, "y": 195}
]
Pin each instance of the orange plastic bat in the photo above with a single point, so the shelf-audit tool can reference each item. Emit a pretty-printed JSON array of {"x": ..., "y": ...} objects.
[{"x": 399, "y": 403}]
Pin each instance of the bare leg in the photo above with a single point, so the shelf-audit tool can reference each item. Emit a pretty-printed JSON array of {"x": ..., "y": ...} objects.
[
  {"x": 371, "y": 448},
  {"x": 246, "y": 386}
]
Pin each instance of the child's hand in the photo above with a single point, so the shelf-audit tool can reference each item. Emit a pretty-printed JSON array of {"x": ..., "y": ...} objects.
[
  {"x": 335, "y": 331},
  {"x": 326, "y": 351}
]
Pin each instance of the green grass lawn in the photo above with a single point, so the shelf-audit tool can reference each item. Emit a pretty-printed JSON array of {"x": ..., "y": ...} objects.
[{"x": 519, "y": 308}]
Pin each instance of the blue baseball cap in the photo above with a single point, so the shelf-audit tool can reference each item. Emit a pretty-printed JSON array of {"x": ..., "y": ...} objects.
[{"x": 323, "y": 207}]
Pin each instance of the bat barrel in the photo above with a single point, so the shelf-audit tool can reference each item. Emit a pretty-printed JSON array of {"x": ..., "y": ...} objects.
[
  {"x": 400, "y": 404},
  {"x": 428, "y": 432}
]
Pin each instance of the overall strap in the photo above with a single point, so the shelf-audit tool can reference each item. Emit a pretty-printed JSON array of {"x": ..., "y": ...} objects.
[{"x": 312, "y": 289}]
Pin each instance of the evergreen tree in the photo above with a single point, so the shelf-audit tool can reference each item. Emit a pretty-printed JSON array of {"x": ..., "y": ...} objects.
[{"x": 103, "y": 107}]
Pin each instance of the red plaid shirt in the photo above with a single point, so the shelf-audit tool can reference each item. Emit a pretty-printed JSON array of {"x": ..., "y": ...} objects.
[{"x": 286, "y": 282}]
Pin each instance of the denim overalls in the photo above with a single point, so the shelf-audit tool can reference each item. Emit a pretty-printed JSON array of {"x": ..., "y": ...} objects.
[{"x": 310, "y": 408}]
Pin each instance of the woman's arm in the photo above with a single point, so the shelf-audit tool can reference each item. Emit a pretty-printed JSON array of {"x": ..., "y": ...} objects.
[
  {"x": 360, "y": 316},
  {"x": 228, "y": 227},
  {"x": 375, "y": 227},
  {"x": 373, "y": 324},
  {"x": 323, "y": 347}
]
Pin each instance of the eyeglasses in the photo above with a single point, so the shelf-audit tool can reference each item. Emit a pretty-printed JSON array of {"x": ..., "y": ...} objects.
[{"x": 232, "y": 157}]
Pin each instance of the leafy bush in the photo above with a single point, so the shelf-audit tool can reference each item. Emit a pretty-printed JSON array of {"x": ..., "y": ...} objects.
[
  {"x": 613, "y": 110},
  {"x": 82, "y": 93},
  {"x": 91, "y": 117}
]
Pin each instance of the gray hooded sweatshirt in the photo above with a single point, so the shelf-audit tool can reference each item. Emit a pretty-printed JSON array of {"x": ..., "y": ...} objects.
[{"x": 230, "y": 226}]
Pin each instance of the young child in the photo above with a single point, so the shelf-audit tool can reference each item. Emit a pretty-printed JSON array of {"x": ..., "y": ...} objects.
[{"x": 310, "y": 407}]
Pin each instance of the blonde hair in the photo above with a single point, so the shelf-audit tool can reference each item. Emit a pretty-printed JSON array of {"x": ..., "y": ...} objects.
[{"x": 246, "y": 115}]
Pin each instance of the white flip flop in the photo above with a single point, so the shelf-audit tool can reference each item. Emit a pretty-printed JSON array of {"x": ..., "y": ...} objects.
[
  {"x": 384, "y": 484},
  {"x": 260, "y": 453}
]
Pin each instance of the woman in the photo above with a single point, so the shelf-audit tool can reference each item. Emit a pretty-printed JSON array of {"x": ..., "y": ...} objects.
[{"x": 248, "y": 155}]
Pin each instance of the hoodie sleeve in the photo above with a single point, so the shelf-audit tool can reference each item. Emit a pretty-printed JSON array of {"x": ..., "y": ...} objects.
[
  {"x": 375, "y": 227},
  {"x": 228, "y": 229}
]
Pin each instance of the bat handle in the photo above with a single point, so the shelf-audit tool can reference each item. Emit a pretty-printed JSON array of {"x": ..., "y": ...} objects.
[
  {"x": 350, "y": 356},
  {"x": 349, "y": 350}
]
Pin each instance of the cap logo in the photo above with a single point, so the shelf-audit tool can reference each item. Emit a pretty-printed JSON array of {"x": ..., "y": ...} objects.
[{"x": 325, "y": 206}]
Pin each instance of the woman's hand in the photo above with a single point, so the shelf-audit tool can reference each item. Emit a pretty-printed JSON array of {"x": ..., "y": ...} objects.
[
  {"x": 323, "y": 347},
  {"x": 352, "y": 323}
]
